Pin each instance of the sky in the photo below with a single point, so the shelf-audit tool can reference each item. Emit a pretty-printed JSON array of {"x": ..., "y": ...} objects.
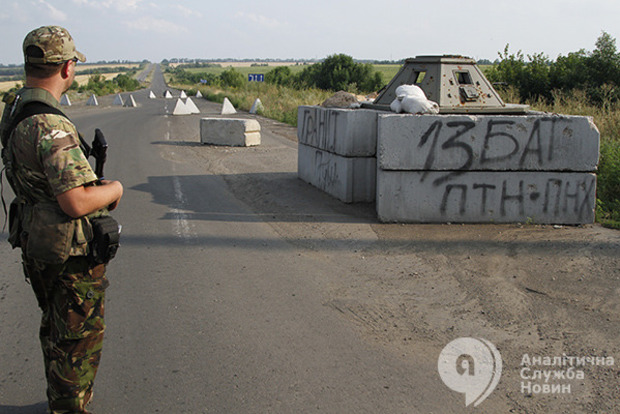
[{"x": 276, "y": 29}]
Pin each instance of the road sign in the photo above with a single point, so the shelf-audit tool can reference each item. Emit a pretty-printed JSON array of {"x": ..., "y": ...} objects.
[{"x": 256, "y": 77}]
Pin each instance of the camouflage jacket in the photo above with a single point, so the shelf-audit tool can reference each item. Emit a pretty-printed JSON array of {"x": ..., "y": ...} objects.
[{"x": 45, "y": 160}]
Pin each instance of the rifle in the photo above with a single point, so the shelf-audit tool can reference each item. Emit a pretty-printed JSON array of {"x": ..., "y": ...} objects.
[{"x": 99, "y": 152}]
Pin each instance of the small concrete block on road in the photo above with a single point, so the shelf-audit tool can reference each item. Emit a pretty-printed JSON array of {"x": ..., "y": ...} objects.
[
  {"x": 118, "y": 100},
  {"x": 228, "y": 108},
  {"x": 230, "y": 131},
  {"x": 346, "y": 132},
  {"x": 191, "y": 106},
  {"x": 534, "y": 142},
  {"x": 350, "y": 180},
  {"x": 486, "y": 197},
  {"x": 180, "y": 108},
  {"x": 256, "y": 106},
  {"x": 92, "y": 101},
  {"x": 130, "y": 102},
  {"x": 64, "y": 100}
]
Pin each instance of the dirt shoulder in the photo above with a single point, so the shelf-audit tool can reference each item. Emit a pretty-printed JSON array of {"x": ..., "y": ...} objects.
[{"x": 544, "y": 291}]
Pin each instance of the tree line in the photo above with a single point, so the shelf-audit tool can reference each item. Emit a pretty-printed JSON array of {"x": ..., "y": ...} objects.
[
  {"x": 597, "y": 73},
  {"x": 336, "y": 72}
]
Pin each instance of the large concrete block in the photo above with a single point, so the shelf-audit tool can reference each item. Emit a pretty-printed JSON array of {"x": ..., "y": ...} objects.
[
  {"x": 483, "y": 197},
  {"x": 348, "y": 179},
  {"x": 346, "y": 132},
  {"x": 230, "y": 131},
  {"x": 536, "y": 142}
]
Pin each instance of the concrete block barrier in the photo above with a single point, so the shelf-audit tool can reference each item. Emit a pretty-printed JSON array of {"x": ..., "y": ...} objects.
[
  {"x": 453, "y": 168},
  {"x": 230, "y": 131},
  {"x": 349, "y": 179},
  {"x": 536, "y": 142},
  {"x": 346, "y": 132},
  {"x": 485, "y": 197}
]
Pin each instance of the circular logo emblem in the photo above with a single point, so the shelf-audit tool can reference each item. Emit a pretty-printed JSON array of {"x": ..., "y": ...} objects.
[{"x": 472, "y": 366}]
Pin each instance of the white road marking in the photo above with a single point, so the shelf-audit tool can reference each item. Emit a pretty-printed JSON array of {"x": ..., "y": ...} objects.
[{"x": 181, "y": 225}]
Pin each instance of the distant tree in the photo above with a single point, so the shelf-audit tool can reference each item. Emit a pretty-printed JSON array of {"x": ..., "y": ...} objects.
[
  {"x": 341, "y": 72},
  {"x": 569, "y": 71},
  {"x": 597, "y": 73},
  {"x": 280, "y": 75},
  {"x": 604, "y": 62},
  {"x": 126, "y": 83},
  {"x": 230, "y": 77}
]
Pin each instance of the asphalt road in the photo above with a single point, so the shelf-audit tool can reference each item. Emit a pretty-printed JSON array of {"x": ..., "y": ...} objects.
[
  {"x": 209, "y": 312},
  {"x": 240, "y": 289}
]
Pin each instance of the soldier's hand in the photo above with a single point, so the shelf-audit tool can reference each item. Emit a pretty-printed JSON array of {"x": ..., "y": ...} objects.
[{"x": 115, "y": 183}]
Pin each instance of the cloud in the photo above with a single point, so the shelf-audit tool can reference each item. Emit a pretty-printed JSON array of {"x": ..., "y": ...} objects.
[
  {"x": 117, "y": 5},
  {"x": 260, "y": 20},
  {"x": 122, "y": 5},
  {"x": 151, "y": 24},
  {"x": 187, "y": 12},
  {"x": 54, "y": 13}
]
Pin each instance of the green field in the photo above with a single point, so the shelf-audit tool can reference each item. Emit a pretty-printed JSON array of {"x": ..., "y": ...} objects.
[
  {"x": 246, "y": 70},
  {"x": 388, "y": 71}
]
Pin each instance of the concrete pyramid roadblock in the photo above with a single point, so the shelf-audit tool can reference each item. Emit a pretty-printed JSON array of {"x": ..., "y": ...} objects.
[
  {"x": 65, "y": 100},
  {"x": 181, "y": 109},
  {"x": 130, "y": 102},
  {"x": 191, "y": 106},
  {"x": 92, "y": 101},
  {"x": 118, "y": 100},
  {"x": 152, "y": 95},
  {"x": 167, "y": 95},
  {"x": 183, "y": 95},
  {"x": 257, "y": 106},
  {"x": 198, "y": 94},
  {"x": 228, "y": 108}
]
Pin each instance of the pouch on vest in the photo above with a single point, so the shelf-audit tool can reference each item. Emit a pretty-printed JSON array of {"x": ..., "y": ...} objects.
[
  {"x": 50, "y": 234},
  {"x": 15, "y": 223},
  {"x": 106, "y": 236}
]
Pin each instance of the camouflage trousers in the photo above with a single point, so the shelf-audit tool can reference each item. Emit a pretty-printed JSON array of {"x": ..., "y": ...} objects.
[{"x": 71, "y": 296}]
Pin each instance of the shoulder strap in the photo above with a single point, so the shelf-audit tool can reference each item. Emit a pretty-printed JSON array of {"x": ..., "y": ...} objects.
[
  {"x": 38, "y": 108},
  {"x": 26, "y": 111},
  {"x": 33, "y": 108}
]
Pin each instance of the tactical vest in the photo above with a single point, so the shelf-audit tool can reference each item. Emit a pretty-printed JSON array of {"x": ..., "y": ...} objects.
[{"x": 43, "y": 231}]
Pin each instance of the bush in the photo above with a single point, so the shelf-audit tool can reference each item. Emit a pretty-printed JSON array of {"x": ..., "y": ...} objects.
[
  {"x": 183, "y": 76},
  {"x": 340, "y": 72},
  {"x": 281, "y": 75},
  {"x": 531, "y": 79},
  {"x": 230, "y": 77},
  {"x": 126, "y": 82},
  {"x": 608, "y": 185},
  {"x": 597, "y": 73},
  {"x": 98, "y": 85}
]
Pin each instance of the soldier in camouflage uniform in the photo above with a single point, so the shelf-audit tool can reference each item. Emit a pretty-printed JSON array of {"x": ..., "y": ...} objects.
[{"x": 57, "y": 194}]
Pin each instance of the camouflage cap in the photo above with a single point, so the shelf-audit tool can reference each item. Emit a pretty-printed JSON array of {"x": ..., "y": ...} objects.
[{"x": 55, "y": 43}]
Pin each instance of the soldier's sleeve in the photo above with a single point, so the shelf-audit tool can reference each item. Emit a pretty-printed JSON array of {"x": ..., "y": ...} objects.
[{"x": 63, "y": 161}]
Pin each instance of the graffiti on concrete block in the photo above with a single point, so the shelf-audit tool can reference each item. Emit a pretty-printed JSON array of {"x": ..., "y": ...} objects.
[
  {"x": 326, "y": 170},
  {"x": 498, "y": 144},
  {"x": 319, "y": 128},
  {"x": 556, "y": 197}
]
